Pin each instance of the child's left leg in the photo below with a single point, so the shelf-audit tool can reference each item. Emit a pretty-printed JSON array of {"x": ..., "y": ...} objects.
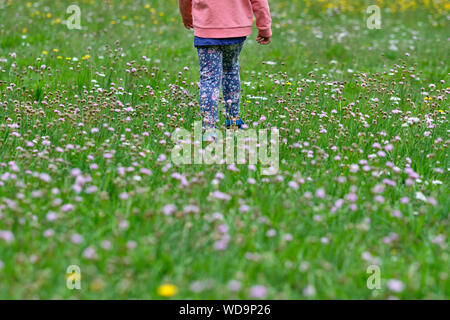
[{"x": 231, "y": 84}]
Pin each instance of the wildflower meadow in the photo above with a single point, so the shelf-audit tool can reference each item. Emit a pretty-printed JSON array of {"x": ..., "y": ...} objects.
[{"x": 353, "y": 94}]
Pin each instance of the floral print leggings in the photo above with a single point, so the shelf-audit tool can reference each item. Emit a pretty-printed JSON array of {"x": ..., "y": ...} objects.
[{"x": 219, "y": 65}]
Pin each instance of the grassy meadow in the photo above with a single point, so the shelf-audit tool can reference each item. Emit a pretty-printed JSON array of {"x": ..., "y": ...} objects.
[{"x": 86, "y": 176}]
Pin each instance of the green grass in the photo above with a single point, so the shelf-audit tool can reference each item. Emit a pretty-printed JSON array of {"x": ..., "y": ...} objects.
[{"x": 315, "y": 53}]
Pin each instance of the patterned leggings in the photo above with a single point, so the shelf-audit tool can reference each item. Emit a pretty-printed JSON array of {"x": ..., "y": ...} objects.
[{"x": 219, "y": 64}]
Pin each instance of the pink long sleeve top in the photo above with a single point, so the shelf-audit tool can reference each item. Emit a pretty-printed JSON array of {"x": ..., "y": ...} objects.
[{"x": 226, "y": 18}]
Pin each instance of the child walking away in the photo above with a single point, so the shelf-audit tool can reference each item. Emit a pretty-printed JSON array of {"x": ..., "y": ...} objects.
[{"x": 220, "y": 30}]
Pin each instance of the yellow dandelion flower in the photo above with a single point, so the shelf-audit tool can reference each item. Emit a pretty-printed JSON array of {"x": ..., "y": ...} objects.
[
  {"x": 288, "y": 83},
  {"x": 49, "y": 15},
  {"x": 55, "y": 50},
  {"x": 68, "y": 58},
  {"x": 59, "y": 57},
  {"x": 45, "y": 52},
  {"x": 29, "y": 4},
  {"x": 441, "y": 111},
  {"x": 167, "y": 290},
  {"x": 58, "y": 20},
  {"x": 147, "y": 6},
  {"x": 97, "y": 285},
  {"x": 24, "y": 30}
]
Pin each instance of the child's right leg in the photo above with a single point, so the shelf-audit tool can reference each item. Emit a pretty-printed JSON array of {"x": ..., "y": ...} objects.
[{"x": 210, "y": 65}]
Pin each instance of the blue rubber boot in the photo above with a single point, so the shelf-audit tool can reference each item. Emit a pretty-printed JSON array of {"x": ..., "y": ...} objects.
[{"x": 234, "y": 123}]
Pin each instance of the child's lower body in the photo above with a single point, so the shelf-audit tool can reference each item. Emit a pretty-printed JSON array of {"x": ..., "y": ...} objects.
[{"x": 219, "y": 66}]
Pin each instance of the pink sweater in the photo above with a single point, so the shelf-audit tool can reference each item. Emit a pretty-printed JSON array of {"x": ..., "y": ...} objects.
[{"x": 226, "y": 18}]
